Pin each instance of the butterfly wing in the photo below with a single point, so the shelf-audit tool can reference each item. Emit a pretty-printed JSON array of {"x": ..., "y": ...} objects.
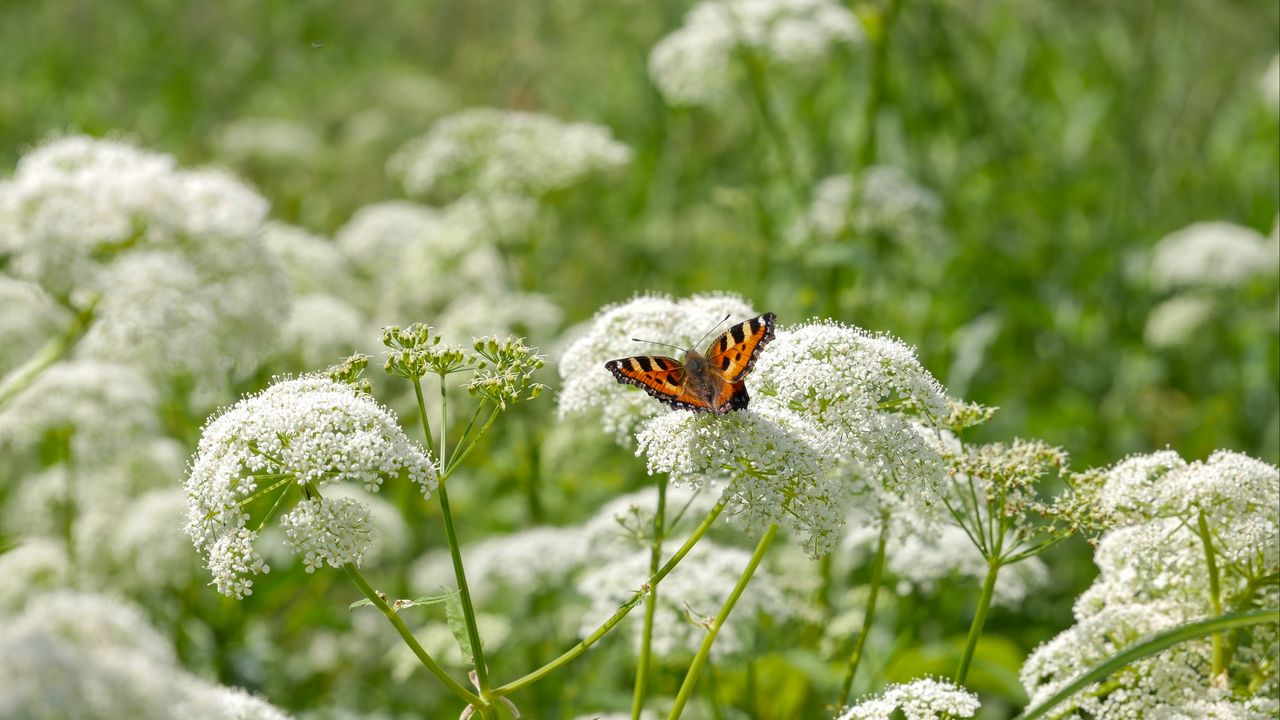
[
  {"x": 734, "y": 353},
  {"x": 661, "y": 377}
]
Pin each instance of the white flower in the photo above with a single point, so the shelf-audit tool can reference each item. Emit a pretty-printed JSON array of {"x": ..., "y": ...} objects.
[
  {"x": 102, "y": 407},
  {"x": 335, "y": 531},
  {"x": 136, "y": 543},
  {"x": 1211, "y": 254},
  {"x": 322, "y": 329},
  {"x": 775, "y": 466},
  {"x": 625, "y": 523},
  {"x": 488, "y": 151},
  {"x": 312, "y": 263},
  {"x": 35, "y": 566},
  {"x": 503, "y": 219},
  {"x": 695, "y": 65},
  {"x": 889, "y": 202},
  {"x": 376, "y": 236},
  {"x": 925, "y": 699},
  {"x": 476, "y": 315},
  {"x": 585, "y": 384},
  {"x": 28, "y": 318},
  {"x": 1177, "y": 321},
  {"x": 305, "y": 433},
  {"x": 925, "y": 560},
  {"x": 688, "y": 598}
]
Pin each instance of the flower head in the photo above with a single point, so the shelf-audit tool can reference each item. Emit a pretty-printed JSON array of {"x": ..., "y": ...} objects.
[
  {"x": 1210, "y": 254},
  {"x": 489, "y": 151},
  {"x": 303, "y": 433},
  {"x": 925, "y": 699},
  {"x": 888, "y": 203},
  {"x": 695, "y": 65}
]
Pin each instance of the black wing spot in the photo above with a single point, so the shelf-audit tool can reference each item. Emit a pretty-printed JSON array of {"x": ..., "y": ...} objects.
[
  {"x": 738, "y": 333},
  {"x": 645, "y": 364}
]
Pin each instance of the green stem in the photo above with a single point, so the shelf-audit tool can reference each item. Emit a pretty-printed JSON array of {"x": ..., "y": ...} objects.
[
  {"x": 57, "y": 348},
  {"x": 573, "y": 652},
  {"x": 979, "y": 619},
  {"x": 69, "y": 500},
  {"x": 457, "y": 689},
  {"x": 466, "y": 449},
  {"x": 422, "y": 415},
  {"x": 877, "y": 574},
  {"x": 650, "y": 603},
  {"x": 1215, "y": 592},
  {"x": 1150, "y": 646},
  {"x": 699, "y": 660}
]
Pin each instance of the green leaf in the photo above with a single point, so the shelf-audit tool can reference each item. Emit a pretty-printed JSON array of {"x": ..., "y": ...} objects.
[
  {"x": 458, "y": 625},
  {"x": 399, "y": 605},
  {"x": 1150, "y": 646}
]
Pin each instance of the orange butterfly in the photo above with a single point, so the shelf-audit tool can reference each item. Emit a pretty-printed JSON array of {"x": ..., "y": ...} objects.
[{"x": 710, "y": 382}]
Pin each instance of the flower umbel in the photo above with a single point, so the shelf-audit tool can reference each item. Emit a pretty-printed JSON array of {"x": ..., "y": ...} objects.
[{"x": 504, "y": 375}]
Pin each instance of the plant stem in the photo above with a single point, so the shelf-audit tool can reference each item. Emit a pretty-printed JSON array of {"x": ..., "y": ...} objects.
[
  {"x": 650, "y": 603},
  {"x": 457, "y": 689},
  {"x": 57, "y": 348},
  {"x": 877, "y": 574},
  {"x": 1150, "y": 646},
  {"x": 979, "y": 619},
  {"x": 695, "y": 668},
  {"x": 1215, "y": 593},
  {"x": 422, "y": 414},
  {"x": 573, "y": 652}
]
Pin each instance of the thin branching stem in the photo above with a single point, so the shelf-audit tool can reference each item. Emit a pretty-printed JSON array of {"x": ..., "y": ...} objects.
[
  {"x": 877, "y": 575},
  {"x": 650, "y": 603}
]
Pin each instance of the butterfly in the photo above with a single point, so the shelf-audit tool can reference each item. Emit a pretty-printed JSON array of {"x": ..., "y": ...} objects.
[{"x": 704, "y": 382}]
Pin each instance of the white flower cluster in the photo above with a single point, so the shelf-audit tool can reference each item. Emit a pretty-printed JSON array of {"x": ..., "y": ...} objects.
[
  {"x": 335, "y": 531},
  {"x": 585, "y": 384},
  {"x": 308, "y": 432},
  {"x": 1154, "y": 575},
  {"x": 688, "y": 598},
  {"x": 442, "y": 264},
  {"x": 275, "y": 141},
  {"x": 924, "y": 699},
  {"x": 187, "y": 290},
  {"x": 522, "y": 563},
  {"x": 695, "y": 65},
  {"x": 87, "y": 656},
  {"x": 100, "y": 406},
  {"x": 1211, "y": 255},
  {"x": 888, "y": 202},
  {"x": 485, "y": 151}
]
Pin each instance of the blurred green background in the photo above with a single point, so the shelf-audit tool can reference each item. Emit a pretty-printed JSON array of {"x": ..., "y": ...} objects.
[{"x": 1062, "y": 139}]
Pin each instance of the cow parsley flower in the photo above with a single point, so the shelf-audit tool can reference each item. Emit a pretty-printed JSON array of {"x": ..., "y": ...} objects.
[
  {"x": 687, "y": 600},
  {"x": 888, "y": 203},
  {"x": 99, "y": 406},
  {"x": 1177, "y": 321},
  {"x": 1210, "y": 254},
  {"x": 695, "y": 65},
  {"x": 520, "y": 564},
  {"x": 925, "y": 699},
  {"x": 587, "y": 387},
  {"x": 312, "y": 264},
  {"x": 336, "y": 531},
  {"x": 136, "y": 543},
  {"x": 775, "y": 466},
  {"x": 276, "y": 141},
  {"x": 321, "y": 329},
  {"x": 35, "y": 565},
  {"x": 926, "y": 560},
  {"x": 307, "y": 432},
  {"x": 486, "y": 151}
]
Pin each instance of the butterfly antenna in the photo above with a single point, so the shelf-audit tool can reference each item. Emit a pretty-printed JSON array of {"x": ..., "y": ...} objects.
[
  {"x": 704, "y": 337},
  {"x": 654, "y": 342}
]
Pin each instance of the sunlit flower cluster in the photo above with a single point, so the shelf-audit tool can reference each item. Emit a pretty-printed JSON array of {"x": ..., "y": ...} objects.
[
  {"x": 485, "y": 151},
  {"x": 187, "y": 289},
  {"x": 28, "y": 318},
  {"x": 925, "y": 699},
  {"x": 696, "y": 64},
  {"x": 1211, "y": 255},
  {"x": 304, "y": 434},
  {"x": 523, "y": 563},
  {"x": 267, "y": 140},
  {"x": 882, "y": 200}
]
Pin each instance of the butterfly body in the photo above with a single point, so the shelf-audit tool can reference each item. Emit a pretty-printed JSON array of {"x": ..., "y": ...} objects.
[{"x": 704, "y": 382}]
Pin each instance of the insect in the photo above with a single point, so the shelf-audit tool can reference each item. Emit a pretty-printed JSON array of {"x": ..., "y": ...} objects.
[{"x": 704, "y": 382}]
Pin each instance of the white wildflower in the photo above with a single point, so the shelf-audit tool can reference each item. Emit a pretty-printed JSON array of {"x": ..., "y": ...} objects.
[
  {"x": 322, "y": 329},
  {"x": 313, "y": 264},
  {"x": 137, "y": 543},
  {"x": 1177, "y": 321},
  {"x": 925, "y": 699},
  {"x": 696, "y": 64},
  {"x": 376, "y": 236},
  {"x": 688, "y": 598},
  {"x": 488, "y": 151},
  {"x": 888, "y": 203},
  {"x": 625, "y": 523},
  {"x": 925, "y": 561},
  {"x": 1210, "y": 254},
  {"x": 335, "y": 531},
  {"x": 503, "y": 219},
  {"x": 585, "y": 384},
  {"x": 391, "y": 535},
  {"x": 308, "y": 432},
  {"x": 100, "y": 406},
  {"x": 34, "y": 566},
  {"x": 475, "y": 315},
  {"x": 775, "y": 466}
]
